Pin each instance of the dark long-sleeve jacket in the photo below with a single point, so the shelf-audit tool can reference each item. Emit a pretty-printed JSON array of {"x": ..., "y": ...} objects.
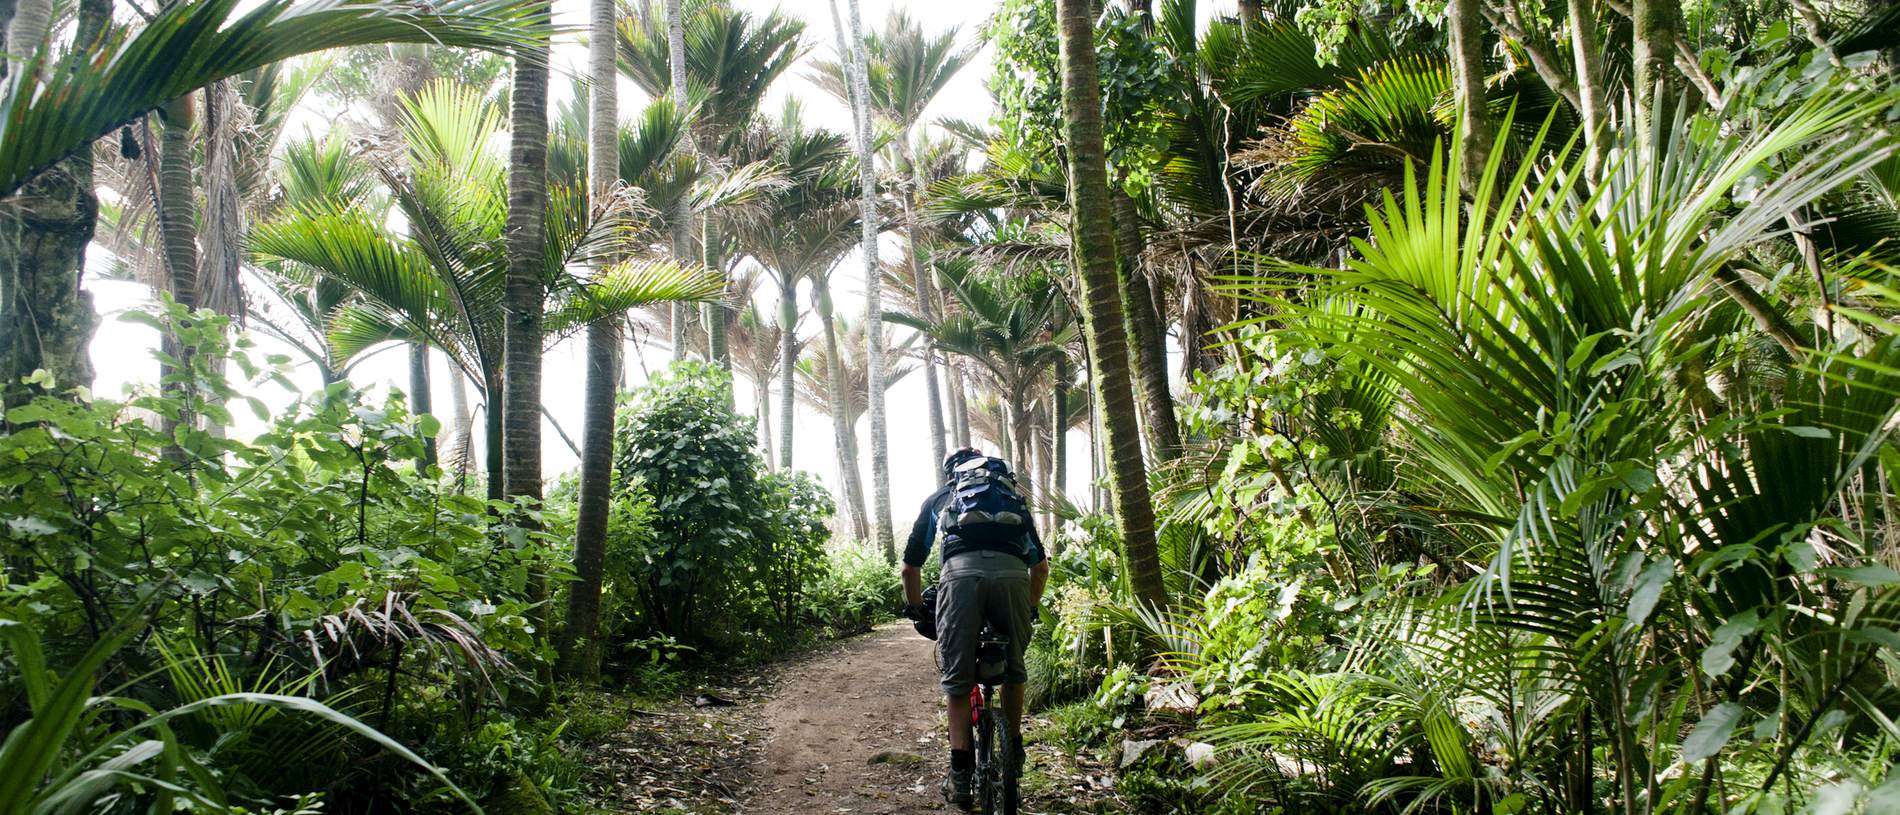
[{"x": 923, "y": 534}]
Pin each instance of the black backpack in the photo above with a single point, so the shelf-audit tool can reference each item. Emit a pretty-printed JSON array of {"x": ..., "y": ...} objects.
[{"x": 985, "y": 507}]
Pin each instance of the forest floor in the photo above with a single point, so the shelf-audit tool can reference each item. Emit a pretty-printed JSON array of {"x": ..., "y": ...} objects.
[{"x": 850, "y": 727}]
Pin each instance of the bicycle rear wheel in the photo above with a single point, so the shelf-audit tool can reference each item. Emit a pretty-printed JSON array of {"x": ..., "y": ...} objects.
[{"x": 989, "y": 762}]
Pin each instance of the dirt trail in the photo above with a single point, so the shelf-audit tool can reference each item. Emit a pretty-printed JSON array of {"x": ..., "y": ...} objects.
[{"x": 834, "y": 713}]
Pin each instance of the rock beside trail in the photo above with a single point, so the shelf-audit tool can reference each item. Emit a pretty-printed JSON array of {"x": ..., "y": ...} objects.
[
  {"x": 1198, "y": 754},
  {"x": 898, "y": 757}
]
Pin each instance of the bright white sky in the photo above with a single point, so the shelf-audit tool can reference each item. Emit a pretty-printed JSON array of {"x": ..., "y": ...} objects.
[{"x": 122, "y": 351}]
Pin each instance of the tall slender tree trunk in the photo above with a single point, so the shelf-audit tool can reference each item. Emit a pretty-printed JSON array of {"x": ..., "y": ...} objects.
[
  {"x": 420, "y": 400},
  {"x": 1589, "y": 68},
  {"x": 579, "y": 645},
  {"x": 926, "y": 307},
  {"x": 1045, "y": 468},
  {"x": 683, "y": 211},
  {"x": 178, "y": 232},
  {"x": 856, "y": 67},
  {"x": 493, "y": 460},
  {"x": 1467, "y": 58},
  {"x": 1092, "y": 220},
  {"x": 1020, "y": 449},
  {"x": 762, "y": 410},
  {"x": 523, "y": 294},
  {"x": 1653, "y": 57},
  {"x": 841, "y": 424},
  {"x": 788, "y": 364},
  {"x": 524, "y": 290},
  {"x": 461, "y": 432},
  {"x": 715, "y": 310},
  {"x": 959, "y": 403},
  {"x": 1059, "y": 410},
  {"x": 177, "y": 201},
  {"x": 1150, "y": 335}
]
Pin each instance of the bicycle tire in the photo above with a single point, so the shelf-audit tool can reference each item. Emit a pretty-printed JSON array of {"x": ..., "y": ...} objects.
[
  {"x": 988, "y": 767},
  {"x": 1012, "y": 789}
]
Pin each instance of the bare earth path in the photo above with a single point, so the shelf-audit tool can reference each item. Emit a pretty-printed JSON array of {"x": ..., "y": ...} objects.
[
  {"x": 837, "y": 711},
  {"x": 800, "y": 737}
]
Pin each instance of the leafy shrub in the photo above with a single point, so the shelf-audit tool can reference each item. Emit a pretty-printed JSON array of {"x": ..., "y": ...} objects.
[
  {"x": 306, "y": 560},
  {"x": 682, "y": 441},
  {"x": 856, "y": 590},
  {"x": 790, "y": 532},
  {"x": 728, "y": 549}
]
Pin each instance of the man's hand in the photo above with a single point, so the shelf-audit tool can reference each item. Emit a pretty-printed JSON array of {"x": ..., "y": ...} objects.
[{"x": 913, "y": 611}]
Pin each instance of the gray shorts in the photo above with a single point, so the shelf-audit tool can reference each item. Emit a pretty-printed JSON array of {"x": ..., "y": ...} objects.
[{"x": 974, "y": 588}]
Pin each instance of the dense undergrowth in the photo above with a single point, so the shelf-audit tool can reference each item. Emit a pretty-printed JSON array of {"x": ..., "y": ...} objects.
[{"x": 286, "y": 594}]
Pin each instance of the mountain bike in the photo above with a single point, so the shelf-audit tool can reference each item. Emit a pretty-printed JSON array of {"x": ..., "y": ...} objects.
[{"x": 998, "y": 774}]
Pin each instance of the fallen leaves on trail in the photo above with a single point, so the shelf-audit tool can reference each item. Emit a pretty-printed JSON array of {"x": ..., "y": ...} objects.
[{"x": 682, "y": 757}]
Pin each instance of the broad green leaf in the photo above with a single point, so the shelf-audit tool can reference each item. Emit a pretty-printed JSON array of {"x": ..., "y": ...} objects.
[
  {"x": 1649, "y": 589},
  {"x": 1870, "y": 575},
  {"x": 1719, "y": 657},
  {"x": 1712, "y": 733}
]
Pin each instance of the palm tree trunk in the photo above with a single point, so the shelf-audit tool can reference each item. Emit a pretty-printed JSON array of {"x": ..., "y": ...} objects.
[
  {"x": 1653, "y": 56},
  {"x": 788, "y": 362},
  {"x": 715, "y": 310},
  {"x": 1150, "y": 335},
  {"x": 523, "y": 293},
  {"x": 1059, "y": 410},
  {"x": 855, "y": 67},
  {"x": 1020, "y": 448},
  {"x": 959, "y": 403},
  {"x": 1046, "y": 455},
  {"x": 1467, "y": 59},
  {"x": 420, "y": 401},
  {"x": 46, "y": 319},
  {"x": 841, "y": 424},
  {"x": 580, "y": 636},
  {"x": 1589, "y": 68},
  {"x": 527, "y": 202},
  {"x": 492, "y": 436},
  {"x": 1093, "y": 223},
  {"x": 683, "y": 212},
  {"x": 579, "y": 645},
  {"x": 762, "y": 411},
  {"x": 1249, "y": 14},
  {"x": 462, "y": 432},
  {"x": 177, "y": 203},
  {"x": 926, "y": 307},
  {"x": 27, "y": 31},
  {"x": 178, "y": 230}
]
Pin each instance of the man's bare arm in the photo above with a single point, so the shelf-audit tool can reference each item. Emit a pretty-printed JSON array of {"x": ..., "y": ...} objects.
[
  {"x": 913, "y": 584},
  {"x": 1038, "y": 580}
]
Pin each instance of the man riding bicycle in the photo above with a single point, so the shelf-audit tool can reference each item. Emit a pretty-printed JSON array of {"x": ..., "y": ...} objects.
[{"x": 985, "y": 579}]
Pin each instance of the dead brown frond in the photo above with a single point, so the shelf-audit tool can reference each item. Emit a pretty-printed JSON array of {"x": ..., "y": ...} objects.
[{"x": 339, "y": 641}]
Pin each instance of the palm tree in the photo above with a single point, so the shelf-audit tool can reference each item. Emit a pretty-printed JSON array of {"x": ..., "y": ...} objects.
[
  {"x": 1479, "y": 317},
  {"x": 579, "y": 643},
  {"x": 523, "y": 287},
  {"x": 906, "y": 71},
  {"x": 1093, "y": 229},
  {"x": 724, "y": 59},
  {"x": 843, "y": 392},
  {"x": 117, "y": 74},
  {"x": 1005, "y": 331},
  {"x": 442, "y": 281},
  {"x": 857, "y": 63},
  {"x": 804, "y": 231}
]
